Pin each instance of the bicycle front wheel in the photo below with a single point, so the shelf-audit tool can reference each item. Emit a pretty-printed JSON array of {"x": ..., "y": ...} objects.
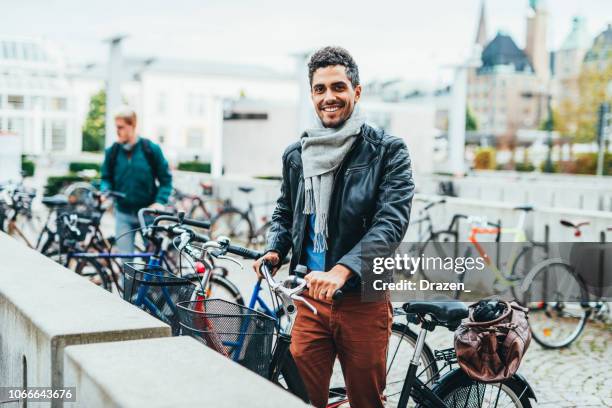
[{"x": 558, "y": 304}]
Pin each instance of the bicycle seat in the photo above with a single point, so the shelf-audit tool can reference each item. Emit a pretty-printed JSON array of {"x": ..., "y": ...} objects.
[
  {"x": 246, "y": 189},
  {"x": 55, "y": 200},
  {"x": 443, "y": 311},
  {"x": 524, "y": 208}
]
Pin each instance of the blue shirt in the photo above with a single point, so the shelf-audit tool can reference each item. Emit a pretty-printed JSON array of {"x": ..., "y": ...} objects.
[{"x": 314, "y": 260}]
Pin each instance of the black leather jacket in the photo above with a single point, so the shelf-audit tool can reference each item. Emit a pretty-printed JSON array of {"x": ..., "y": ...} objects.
[{"x": 371, "y": 201}]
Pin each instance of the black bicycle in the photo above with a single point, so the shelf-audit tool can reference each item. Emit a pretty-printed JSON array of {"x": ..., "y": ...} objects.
[{"x": 247, "y": 337}]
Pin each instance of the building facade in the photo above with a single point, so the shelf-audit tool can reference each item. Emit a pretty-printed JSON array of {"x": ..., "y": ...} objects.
[
  {"x": 509, "y": 91},
  {"x": 36, "y": 98}
]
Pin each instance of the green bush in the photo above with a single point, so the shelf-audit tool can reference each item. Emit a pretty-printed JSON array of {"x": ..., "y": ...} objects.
[
  {"x": 528, "y": 166},
  {"x": 75, "y": 167},
  {"x": 27, "y": 167},
  {"x": 485, "y": 159},
  {"x": 275, "y": 178},
  {"x": 55, "y": 184},
  {"x": 586, "y": 163},
  {"x": 196, "y": 166}
]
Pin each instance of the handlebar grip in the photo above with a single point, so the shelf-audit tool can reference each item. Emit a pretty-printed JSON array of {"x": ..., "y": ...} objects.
[
  {"x": 186, "y": 221},
  {"x": 244, "y": 252},
  {"x": 338, "y": 294}
]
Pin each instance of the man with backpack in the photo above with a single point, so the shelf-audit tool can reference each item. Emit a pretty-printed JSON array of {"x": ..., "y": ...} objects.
[{"x": 136, "y": 167}]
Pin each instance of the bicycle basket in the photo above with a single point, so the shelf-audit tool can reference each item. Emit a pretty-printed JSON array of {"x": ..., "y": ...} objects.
[
  {"x": 238, "y": 332},
  {"x": 80, "y": 226},
  {"x": 157, "y": 291}
]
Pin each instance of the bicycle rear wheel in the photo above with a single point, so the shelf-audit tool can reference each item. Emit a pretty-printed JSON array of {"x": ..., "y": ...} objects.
[
  {"x": 233, "y": 224},
  {"x": 558, "y": 304},
  {"x": 457, "y": 390}
]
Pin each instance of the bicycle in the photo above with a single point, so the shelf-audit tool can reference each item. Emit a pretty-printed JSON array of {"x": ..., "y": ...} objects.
[
  {"x": 241, "y": 333},
  {"x": 241, "y": 226},
  {"x": 558, "y": 298},
  {"x": 16, "y": 212},
  {"x": 523, "y": 253},
  {"x": 199, "y": 207}
]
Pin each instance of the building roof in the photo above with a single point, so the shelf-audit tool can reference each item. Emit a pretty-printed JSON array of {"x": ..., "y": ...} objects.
[
  {"x": 134, "y": 67},
  {"x": 601, "y": 50},
  {"x": 503, "y": 51},
  {"x": 30, "y": 51},
  {"x": 578, "y": 38}
]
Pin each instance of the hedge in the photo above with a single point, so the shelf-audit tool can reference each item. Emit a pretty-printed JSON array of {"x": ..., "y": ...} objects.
[
  {"x": 75, "y": 167},
  {"x": 196, "y": 166},
  {"x": 27, "y": 167},
  {"x": 485, "y": 159},
  {"x": 55, "y": 184}
]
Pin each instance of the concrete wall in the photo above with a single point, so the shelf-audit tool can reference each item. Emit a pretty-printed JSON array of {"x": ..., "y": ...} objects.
[
  {"x": 171, "y": 372},
  {"x": 44, "y": 308},
  {"x": 563, "y": 191}
]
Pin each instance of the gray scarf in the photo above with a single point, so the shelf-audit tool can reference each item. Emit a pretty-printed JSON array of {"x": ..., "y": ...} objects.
[{"x": 323, "y": 150}]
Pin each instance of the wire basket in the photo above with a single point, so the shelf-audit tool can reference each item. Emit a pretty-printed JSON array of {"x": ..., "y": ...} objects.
[
  {"x": 238, "y": 332},
  {"x": 157, "y": 291}
]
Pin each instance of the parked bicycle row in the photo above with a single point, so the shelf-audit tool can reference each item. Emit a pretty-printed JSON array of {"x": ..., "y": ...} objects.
[{"x": 177, "y": 280}]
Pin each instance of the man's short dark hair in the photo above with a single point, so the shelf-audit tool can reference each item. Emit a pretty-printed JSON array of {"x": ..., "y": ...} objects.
[{"x": 329, "y": 56}]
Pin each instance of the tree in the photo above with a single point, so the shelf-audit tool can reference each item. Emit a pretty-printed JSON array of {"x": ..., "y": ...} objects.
[
  {"x": 593, "y": 84},
  {"x": 94, "y": 130},
  {"x": 470, "y": 120}
]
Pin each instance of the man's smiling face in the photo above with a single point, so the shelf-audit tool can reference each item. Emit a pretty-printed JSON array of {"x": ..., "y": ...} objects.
[{"x": 333, "y": 95}]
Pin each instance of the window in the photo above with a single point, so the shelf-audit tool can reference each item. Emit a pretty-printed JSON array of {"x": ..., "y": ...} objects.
[
  {"x": 161, "y": 102},
  {"x": 161, "y": 135},
  {"x": 59, "y": 104},
  {"x": 195, "y": 138},
  {"x": 15, "y": 125},
  {"x": 58, "y": 135},
  {"x": 196, "y": 104},
  {"x": 15, "y": 101}
]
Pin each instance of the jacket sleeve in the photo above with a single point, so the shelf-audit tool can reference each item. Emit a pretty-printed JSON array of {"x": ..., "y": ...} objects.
[
  {"x": 279, "y": 235},
  {"x": 392, "y": 213},
  {"x": 164, "y": 177},
  {"x": 106, "y": 182}
]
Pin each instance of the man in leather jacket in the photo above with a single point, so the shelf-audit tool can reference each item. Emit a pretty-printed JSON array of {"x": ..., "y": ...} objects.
[{"x": 346, "y": 185}]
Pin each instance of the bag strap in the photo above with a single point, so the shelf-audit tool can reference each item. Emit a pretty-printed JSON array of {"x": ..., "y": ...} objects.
[
  {"x": 148, "y": 152},
  {"x": 112, "y": 161}
]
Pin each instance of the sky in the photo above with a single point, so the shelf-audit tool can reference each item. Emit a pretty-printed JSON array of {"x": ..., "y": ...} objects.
[{"x": 418, "y": 41}]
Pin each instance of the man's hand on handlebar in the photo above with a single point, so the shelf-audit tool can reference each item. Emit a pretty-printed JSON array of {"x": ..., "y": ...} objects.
[
  {"x": 323, "y": 285},
  {"x": 273, "y": 258},
  {"x": 157, "y": 206}
]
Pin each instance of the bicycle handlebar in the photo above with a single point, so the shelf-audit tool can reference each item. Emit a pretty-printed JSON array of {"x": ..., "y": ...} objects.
[
  {"x": 431, "y": 204},
  {"x": 180, "y": 220},
  {"x": 144, "y": 211}
]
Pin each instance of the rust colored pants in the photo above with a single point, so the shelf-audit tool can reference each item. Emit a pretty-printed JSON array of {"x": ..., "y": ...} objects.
[{"x": 357, "y": 333}]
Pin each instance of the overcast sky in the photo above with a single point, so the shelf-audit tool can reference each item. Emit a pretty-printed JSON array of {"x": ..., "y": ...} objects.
[{"x": 411, "y": 39}]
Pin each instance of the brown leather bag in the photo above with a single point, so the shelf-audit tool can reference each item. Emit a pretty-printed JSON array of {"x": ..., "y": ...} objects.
[{"x": 492, "y": 351}]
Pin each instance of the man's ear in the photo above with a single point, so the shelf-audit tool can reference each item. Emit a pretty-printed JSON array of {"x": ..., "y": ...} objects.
[{"x": 357, "y": 92}]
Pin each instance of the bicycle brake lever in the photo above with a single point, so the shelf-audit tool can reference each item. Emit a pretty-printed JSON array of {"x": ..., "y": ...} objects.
[
  {"x": 228, "y": 258},
  {"x": 301, "y": 299}
]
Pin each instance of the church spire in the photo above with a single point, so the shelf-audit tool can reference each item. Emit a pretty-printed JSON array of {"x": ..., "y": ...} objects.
[{"x": 481, "y": 33}]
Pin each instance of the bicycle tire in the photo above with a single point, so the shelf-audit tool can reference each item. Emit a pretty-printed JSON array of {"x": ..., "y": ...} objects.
[
  {"x": 226, "y": 224},
  {"x": 519, "y": 271},
  {"x": 220, "y": 281},
  {"x": 451, "y": 389},
  {"x": 433, "y": 245},
  {"x": 538, "y": 307},
  {"x": 396, "y": 375},
  {"x": 99, "y": 271}
]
